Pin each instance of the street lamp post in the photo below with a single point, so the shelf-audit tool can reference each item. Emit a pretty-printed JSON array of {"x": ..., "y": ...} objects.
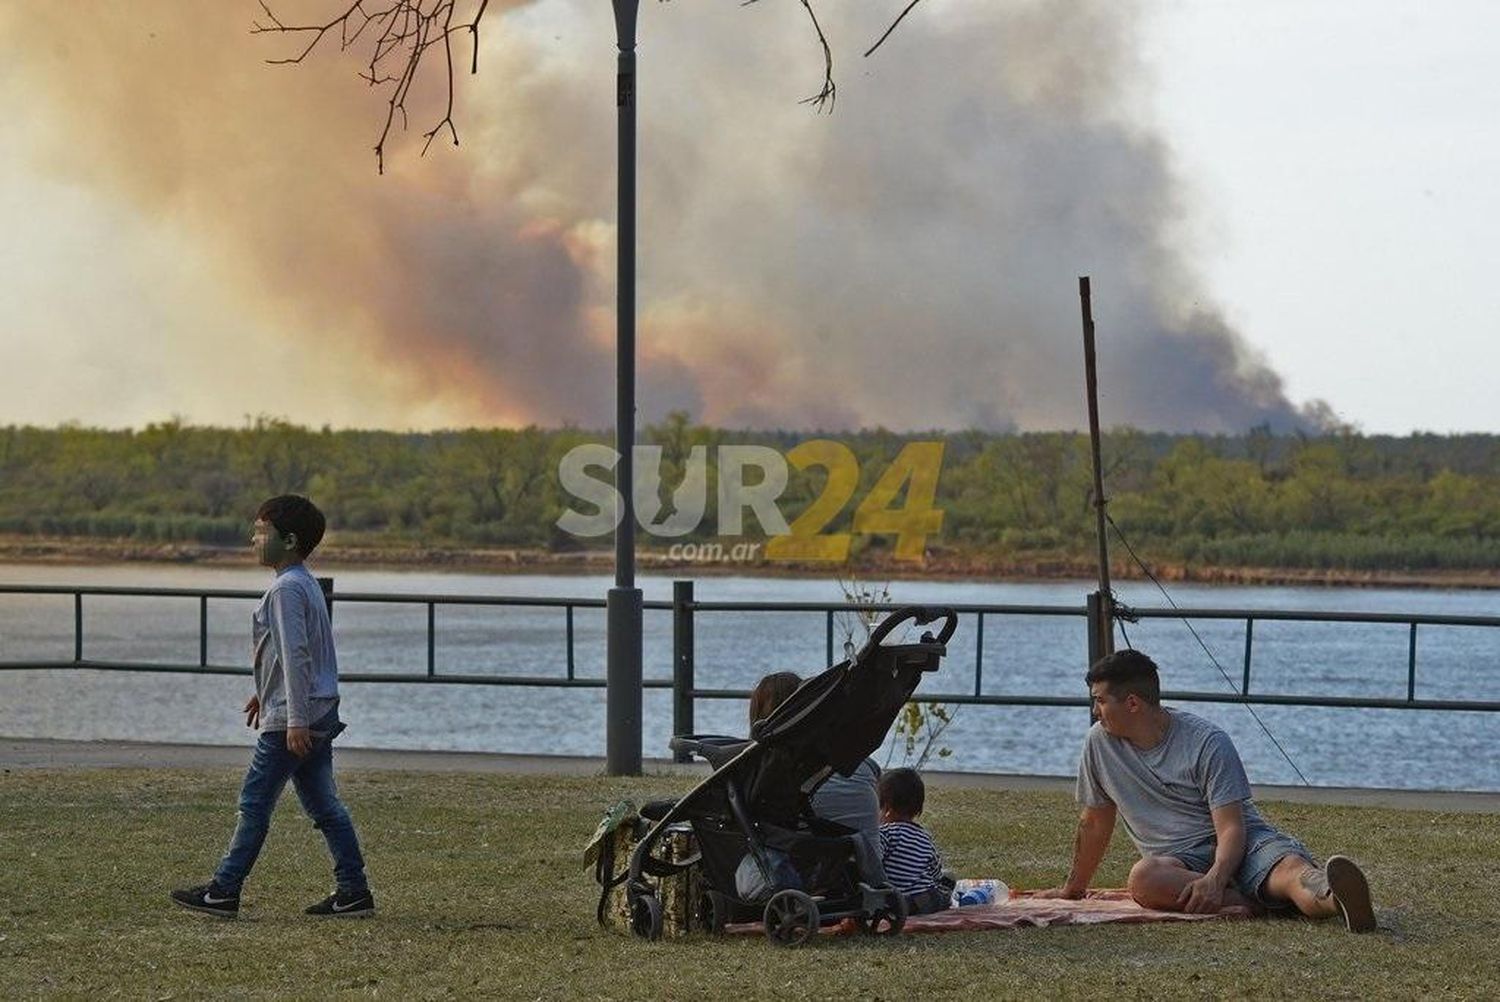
[{"x": 623, "y": 606}]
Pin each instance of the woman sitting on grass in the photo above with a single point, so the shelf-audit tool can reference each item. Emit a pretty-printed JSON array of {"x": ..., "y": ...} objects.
[{"x": 852, "y": 801}]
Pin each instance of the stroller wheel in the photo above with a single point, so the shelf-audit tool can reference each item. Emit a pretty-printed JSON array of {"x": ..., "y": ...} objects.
[
  {"x": 713, "y": 912},
  {"x": 791, "y": 918},
  {"x": 645, "y": 916},
  {"x": 886, "y": 921}
]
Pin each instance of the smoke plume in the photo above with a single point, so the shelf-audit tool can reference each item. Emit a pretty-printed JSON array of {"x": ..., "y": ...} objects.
[{"x": 909, "y": 260}]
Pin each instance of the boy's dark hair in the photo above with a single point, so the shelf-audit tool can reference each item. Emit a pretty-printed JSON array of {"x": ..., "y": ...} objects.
[
  {"x": 770, "y": 692},
  {"x": 1126, "y": 672},
  {"x": 902, "y": 791},
  {"x": 292, "y": 513}
]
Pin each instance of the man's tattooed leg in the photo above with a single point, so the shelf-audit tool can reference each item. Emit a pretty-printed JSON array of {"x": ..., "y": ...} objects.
[{"x": 1315, "y": 881}]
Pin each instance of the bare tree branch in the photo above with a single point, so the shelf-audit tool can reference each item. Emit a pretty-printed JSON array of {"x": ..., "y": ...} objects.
[
  {"x": 474, "y": 32},
  {"x": 881, "y": 40},
  {"x": 826, "y": 95},
  {"x": 448, "y": 56},
  {"x": 829, "y": 91},
  {"x": 404, "y": 30}
]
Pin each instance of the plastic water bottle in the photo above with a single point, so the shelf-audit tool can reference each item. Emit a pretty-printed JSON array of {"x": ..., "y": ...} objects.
[{"x": 979, "y": 892}]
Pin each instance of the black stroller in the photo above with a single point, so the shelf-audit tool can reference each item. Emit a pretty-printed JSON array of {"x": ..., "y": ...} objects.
[{"x": 755, "y": 809}]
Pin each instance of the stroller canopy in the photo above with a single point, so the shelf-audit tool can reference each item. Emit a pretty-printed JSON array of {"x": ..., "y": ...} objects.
[{"x": 837, "y": 719}]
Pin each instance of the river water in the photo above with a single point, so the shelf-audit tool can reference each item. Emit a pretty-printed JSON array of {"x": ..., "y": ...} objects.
[{"x": 1335, "y": 747}]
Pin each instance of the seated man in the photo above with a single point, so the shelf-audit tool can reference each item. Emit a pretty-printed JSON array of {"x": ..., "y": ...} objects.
[{"x": 1177, "y": 781}]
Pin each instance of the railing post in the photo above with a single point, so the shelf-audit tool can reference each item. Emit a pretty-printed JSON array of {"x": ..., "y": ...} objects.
[
  {"x": 1249, "y": 646},
  {"x": 1097, "y": 625},
  {"x": 979, "y": 655},
  {"x": 1411, "y": 665},
  {"x": 78, "y": 626},
  {"x": 828, "y": 633},
  {"x": 431, "y": 639},
  {"x": 572, "y": 665},
  {"x": 327, "y": 585},
  {"x": 682, "y": 662},
  {"x": 202, "y": 631}
]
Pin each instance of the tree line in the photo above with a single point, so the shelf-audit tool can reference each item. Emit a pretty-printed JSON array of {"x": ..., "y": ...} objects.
[{"x": 1337, "y": 501}]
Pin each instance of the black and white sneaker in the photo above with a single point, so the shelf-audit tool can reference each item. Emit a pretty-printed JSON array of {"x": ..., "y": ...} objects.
[
  {"x": 209, "y": 900},
  {"x": 340, "y": 904}
]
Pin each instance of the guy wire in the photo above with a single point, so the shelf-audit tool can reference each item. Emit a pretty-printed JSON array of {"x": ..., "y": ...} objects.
[{"x": 1165, "y": 594}]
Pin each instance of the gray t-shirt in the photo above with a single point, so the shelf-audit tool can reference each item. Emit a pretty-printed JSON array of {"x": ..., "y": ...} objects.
[
  {"x": 1164, "y": 794},
  {"x": 855, "y": 803}
]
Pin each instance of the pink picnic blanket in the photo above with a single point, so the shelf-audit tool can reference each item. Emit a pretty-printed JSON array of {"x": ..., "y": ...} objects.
[{"x": 1022, "y": 909}]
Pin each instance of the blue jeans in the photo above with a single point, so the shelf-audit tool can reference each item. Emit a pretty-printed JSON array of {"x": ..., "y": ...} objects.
[
  {"x": 312, "y": 777},
  {"x": 1265, "y": 846}
]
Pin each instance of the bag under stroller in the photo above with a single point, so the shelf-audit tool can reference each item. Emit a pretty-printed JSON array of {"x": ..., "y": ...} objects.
[{"x": 752, "y": 817}]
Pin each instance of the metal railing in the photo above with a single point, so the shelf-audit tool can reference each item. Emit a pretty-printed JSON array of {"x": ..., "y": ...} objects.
[
  {"x": 685, "y": 611},
  {"x": 974, "y": 615},
  {"x": 571, "y": 678}
]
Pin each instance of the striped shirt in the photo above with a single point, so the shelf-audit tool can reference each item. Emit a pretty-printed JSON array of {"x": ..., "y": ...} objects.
[{"x": 912, "y": 864}]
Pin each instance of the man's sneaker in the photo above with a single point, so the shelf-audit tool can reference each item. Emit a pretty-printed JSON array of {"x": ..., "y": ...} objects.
[
  {"x": 1351, "y": 892},
  {"x": 344, "y": 905},
  {"x": 209, "y": 900}
]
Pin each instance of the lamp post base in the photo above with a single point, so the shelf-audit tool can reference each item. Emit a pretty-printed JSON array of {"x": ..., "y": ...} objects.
[{"x": 622, "y": 732}]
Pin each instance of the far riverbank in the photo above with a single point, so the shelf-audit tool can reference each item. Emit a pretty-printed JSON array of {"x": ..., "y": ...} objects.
[{"x": 940, "y": 565}]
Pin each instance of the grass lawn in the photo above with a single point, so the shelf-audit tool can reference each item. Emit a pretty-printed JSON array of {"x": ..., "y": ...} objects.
[{"x": 482, "y": 893}]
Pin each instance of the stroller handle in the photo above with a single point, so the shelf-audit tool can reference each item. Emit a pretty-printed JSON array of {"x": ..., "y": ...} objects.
[
  {"x": 715, "y": 749},
  {"x": 922, "y": 615},
  {"x": 695, "y": 742}
]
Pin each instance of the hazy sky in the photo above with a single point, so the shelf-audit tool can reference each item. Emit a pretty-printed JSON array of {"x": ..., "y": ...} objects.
[
  {"x": 1280, "y": 202},
  {"x": 1343, "y": 158}
]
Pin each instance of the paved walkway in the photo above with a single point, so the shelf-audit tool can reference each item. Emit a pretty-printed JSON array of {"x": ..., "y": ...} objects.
[{"x": 38, "y": 753}]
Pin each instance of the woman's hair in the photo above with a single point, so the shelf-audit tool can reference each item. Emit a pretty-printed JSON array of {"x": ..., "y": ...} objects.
[{"x": 770, "y": 692}]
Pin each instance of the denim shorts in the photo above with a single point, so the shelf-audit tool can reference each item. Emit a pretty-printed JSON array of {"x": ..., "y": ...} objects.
[{"x": 1264, "y": 848}]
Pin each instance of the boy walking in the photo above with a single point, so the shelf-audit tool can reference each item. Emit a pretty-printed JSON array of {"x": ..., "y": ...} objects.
[{"x": 296, "y": 708}]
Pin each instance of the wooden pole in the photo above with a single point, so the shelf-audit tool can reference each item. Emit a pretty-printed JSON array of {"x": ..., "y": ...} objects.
[{"x": 1104, "y": 638}]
